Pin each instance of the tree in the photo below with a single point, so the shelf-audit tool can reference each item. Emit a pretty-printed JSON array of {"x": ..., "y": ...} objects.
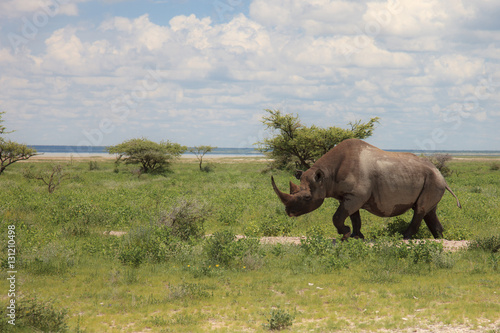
[
  {"x": 297, "y": 144},
  {"x": 152, "y": 156},
  {"x": 10, "y": 151},
  {"x": 52, "y": 178},
  {"x": 200, "y": 151}
]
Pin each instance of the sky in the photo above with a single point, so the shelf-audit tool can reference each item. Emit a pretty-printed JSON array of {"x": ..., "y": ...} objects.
[{"x": 82, "y": 72}]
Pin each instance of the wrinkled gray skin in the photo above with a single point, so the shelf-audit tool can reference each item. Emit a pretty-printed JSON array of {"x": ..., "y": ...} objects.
[{"x": 361, "y": 176}]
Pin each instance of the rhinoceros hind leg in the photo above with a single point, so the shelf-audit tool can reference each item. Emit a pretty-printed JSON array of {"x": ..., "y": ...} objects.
[
  {"x": 433, "y": 223},
  {"x": 414, "y": 225}
]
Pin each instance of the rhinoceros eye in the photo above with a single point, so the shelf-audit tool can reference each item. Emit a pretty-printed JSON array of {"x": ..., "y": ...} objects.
[{"x": 307, "y": 197}]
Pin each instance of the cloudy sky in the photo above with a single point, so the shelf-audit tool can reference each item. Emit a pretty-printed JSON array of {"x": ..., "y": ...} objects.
[{"x": 76, "y": 72}]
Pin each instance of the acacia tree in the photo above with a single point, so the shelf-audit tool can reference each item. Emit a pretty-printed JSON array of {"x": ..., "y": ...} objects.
[
  {"x": 200, "y": 151},
  {"x": 10, "y": 151},
  {"x": 152, "y": 156},
  {"x": 294, "y": 143},
  {"x": 52, "y": 178}
]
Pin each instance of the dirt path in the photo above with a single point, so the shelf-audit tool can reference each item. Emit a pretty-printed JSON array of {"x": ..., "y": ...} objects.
[{"x": 448, "y": 245}]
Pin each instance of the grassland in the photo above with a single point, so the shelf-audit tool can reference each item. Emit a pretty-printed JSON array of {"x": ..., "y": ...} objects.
[{"x": 73, "y": 276}]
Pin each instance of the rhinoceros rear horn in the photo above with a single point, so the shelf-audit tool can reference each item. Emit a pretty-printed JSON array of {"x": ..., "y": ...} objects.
[{"x": 284, "y": 197}]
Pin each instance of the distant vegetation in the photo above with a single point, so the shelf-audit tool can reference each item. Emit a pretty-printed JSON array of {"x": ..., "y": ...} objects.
[
  {"x": 441, "y": 163},
  {"x": 152, "y": 156},
  {"x": 199, "y": 152},
  {"x": 10, "y": 151}
]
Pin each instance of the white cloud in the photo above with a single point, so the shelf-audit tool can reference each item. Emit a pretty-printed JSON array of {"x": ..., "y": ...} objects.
[
  {"x": 36, "y": 9},
  {"x": 319, "y": 17},
  {"x": 455, "y": 68}
]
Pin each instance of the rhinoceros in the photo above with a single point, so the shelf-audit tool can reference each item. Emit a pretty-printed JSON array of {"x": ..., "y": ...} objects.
[{"x": 362, "y": 176}]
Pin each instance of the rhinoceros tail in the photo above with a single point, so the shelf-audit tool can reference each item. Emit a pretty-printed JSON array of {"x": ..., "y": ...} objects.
[{"x": 449, "y": 190}]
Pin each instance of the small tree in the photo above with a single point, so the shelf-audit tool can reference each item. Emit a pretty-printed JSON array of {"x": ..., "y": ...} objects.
[
  {"x": 200, "y": 151},
  {"x": 53, "y": 178},
  {"x": 10, "y": 151},
  {"x": 296, "y": 143},
  {"x": 152, "y": 156},
  {"x": 441, "y": 163}
]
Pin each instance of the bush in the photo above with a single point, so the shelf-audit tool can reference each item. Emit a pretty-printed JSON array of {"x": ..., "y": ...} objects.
[
  {"x": 189, "y": 290},
  {"x": 273, "y": 227},
  {"x": 352, "y": 249},
  {"x": 487, "y": 243},
  {"x": 441, "y": 163},
  {"x": 222, "y": 248},
  {"x": 93, "y": 166},
  {"x": 40, "y": 315},
  {"x": 494, "y": 166},
  {"x": 51, "y": 259},
  {"x": 280, "y": 319},
  {"x": 186, "y": 220},
  {"x": 154, "y": 243},
  {"x": 415, "y": 251},
  {"x": 316, "y": 243},
  {"x": 424, "y": 251}
]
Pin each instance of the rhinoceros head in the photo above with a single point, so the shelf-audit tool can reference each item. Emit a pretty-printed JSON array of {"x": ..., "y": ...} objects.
[{"x": 306, "y": 197}]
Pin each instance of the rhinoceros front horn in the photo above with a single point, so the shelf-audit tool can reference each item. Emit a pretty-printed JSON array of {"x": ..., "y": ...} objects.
[{"x": 284, "y": 197}]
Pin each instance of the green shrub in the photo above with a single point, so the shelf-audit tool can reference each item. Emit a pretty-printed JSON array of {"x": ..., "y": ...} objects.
[
  {"x": 189, "y": 290},
  {"x": 353, "y": 249},
  {"x": 333, "y": 261},
  {"x": 279, "y": 319},
  {"x": 252, "y": 229},
  {"x": 494, "y": 166},
  {"x": 441, "y": 163},
  {"x": 93, "y": 166},
  {"x": 444, "y": 259},
  {"x": 222, "y": 248},
  {"x": 486, "y": 243},
  {"x": 154, "y": 243},
  {"x": 424, "y": 251},
  {"x": 273, "y": 226},
  {"x": 186, "y": 220},
  {"x": 40, "y": 315},
  {"x": 415, "y": 251},
  {"x": 229, "y": 215},
  {"x": 51, "y": 259},
  {"x": 316, "y": 243}
]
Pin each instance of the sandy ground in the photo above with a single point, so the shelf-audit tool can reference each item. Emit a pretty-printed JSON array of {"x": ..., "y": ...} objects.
[{"x": 448, "y": 245}]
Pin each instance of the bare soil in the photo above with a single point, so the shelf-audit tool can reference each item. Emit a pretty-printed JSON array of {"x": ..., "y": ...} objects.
[{"x": 448, "y": 245}]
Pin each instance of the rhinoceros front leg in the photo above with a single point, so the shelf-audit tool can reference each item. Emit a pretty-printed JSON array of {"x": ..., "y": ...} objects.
[
  {"x": 356, "y": 225},
  {"x": 347, "y": 208}
]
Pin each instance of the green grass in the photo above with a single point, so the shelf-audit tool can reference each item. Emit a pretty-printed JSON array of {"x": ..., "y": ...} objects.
[{"x": 151, "y": 280}]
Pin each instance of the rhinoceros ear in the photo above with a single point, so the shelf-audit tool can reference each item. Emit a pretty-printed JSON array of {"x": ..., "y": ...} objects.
[
  {"x": 294, "y": 188},
  {"x": 319, "y": 176}
]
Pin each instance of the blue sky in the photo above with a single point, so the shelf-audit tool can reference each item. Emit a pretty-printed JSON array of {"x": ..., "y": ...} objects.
[{"x": 80, "y": 72}]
